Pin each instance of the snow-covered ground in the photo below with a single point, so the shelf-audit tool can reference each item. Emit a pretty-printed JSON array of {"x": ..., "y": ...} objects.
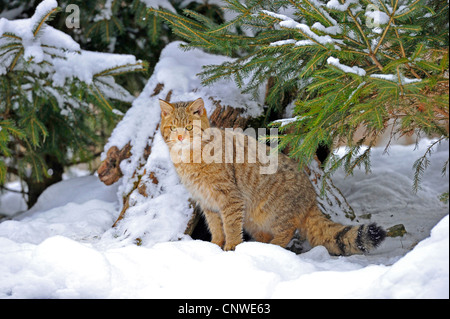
[{"x": 65, "y": 248}]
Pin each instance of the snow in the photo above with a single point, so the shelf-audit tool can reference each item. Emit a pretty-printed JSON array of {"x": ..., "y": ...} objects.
[
  {"x": 318, "y": 4},
  {"x": 355, "y": 70},
  {"x": 12, "y": 13},
  {"x": 292, "y": 24},
  {"x": 42, "y": 9},
  {"x": 289, "y": 23},
  {"x": 12, "y": 202},
  {"x": 178, "y": 70},
  {"x": 283, "y": 42},
  {"x": 337, "y": 5},
  {"x": 64, "y": 58},
  {"x": 379, "y": 17},
  {"x": 48, "y": 36},
  {"x": 165, "y": 4},
  {"x": 286, "y": 121},
  {"x": 295, "y": 42},
  {"x": 84, "y": 65},
  {"x": 65, "y": 247},
  {"x": 334, "y": 30},
  {"x": 394, "y": 78}
]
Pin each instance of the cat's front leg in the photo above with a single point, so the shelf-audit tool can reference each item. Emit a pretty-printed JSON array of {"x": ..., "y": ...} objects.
[
  {"x": 215, "y": 227},
  {"x": 233, "y": 223}
]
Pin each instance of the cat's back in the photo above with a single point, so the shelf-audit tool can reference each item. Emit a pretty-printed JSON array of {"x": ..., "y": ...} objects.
[
  {"x": 234, "y": 161},
  {"x": 272, "y": 176}
]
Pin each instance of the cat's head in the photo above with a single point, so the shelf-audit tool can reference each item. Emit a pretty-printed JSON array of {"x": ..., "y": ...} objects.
[{"x": 181, "y": 120}]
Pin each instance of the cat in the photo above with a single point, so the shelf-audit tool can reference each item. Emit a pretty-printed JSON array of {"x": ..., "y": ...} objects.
[{"x": 234, "y": 195}]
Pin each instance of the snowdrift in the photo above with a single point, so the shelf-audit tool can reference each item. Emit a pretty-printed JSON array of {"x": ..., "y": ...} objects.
[{"x": 65, "y": 248}]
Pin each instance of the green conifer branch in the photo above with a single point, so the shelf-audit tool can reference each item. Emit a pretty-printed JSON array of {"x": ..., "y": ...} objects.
[{"x": 46, "y": 17}]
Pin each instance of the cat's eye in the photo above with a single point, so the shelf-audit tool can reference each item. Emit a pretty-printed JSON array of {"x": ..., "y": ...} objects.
[
  {"x": 173, "y": 128},
  {"x": 189, "y": 127}
]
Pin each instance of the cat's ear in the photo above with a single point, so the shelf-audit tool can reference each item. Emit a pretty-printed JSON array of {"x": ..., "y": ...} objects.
[
  {"x": 197, "y": 107},
  {"x": 166, "y": 108}
]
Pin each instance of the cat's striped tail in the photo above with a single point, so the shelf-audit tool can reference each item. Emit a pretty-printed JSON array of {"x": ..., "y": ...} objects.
[{"x": 340, "y": 239}]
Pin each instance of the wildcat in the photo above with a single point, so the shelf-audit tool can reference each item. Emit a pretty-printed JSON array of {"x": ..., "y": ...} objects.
[{"x": 234, "y": 195}]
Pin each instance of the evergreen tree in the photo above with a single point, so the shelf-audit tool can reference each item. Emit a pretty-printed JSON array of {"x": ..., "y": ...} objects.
[
  {"x": 55, "y": 98},
  {"x": 129, "y": 27},
  {"x": 377, "y": 64}
]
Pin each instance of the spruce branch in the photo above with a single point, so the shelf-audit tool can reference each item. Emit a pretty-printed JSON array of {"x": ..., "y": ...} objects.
[
  {"x": 45, "y": 18},
  {"x": 387, "y": 27},
  {"x": 47, "y": 105},
  {"x": 422, "y": 163}
]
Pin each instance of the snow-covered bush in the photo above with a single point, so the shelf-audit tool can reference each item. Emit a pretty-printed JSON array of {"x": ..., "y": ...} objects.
[{"x": 54, "y": 96}]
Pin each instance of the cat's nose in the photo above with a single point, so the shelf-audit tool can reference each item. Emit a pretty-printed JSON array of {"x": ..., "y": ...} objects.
[{"x": 180, "y": 138}]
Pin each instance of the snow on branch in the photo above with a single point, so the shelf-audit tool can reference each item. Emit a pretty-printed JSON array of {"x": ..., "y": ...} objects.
[
  {"x": 289, "y": 23},
  {"x": 337, "y": 5},
  {"x": 395, "y": 78},
  {"x": 165, "y": 4},
  {"x": 355, "y": 70},
  {"x": 50, "y": 51},
  {"x": 294, "y": 42},
  {"x": 287, "y": 121}
]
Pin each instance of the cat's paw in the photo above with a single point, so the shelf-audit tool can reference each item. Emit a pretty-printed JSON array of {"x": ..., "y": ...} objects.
[
  {"x": 230, "y": 246},
  {"x": 218, "y": 242}
]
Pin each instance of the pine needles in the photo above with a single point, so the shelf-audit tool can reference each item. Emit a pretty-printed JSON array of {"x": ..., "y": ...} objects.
[{"x": 54, "y": 98}]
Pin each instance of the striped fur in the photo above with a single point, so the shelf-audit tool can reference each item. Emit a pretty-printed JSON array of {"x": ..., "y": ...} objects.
[{"x": 235, "y": 196}]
